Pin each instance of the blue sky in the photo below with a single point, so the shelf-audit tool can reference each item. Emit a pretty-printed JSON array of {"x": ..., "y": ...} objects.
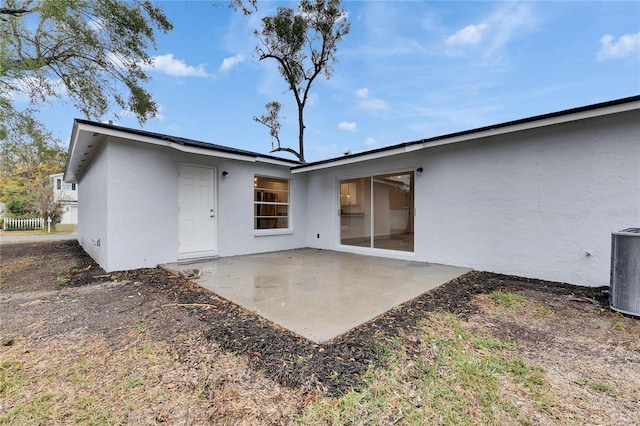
[{"x": 407, "y": 70}]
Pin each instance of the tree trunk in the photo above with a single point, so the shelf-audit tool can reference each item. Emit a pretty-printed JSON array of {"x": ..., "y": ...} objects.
[{"x": 301, "y": 132}]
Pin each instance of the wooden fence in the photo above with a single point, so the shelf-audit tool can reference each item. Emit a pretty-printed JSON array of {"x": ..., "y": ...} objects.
[{"x": 13, "y": 224}]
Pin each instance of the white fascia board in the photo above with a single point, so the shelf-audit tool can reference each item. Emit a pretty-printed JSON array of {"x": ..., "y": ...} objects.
[
  {"x": 73, "y": 143},
  {"x": 544, "y": 122},
  {"x": 177, "y": 146},
  {"x": 481, "y": 134},
  {"x": 210, "y": 152},
  {"x": 74, "y": 170}
]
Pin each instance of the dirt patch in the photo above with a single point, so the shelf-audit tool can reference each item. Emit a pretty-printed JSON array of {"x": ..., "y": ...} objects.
[
  {"x": 33, "y": 267},
  {"x": 244, "y": 367},
  {"x": 125, "y": 341}
]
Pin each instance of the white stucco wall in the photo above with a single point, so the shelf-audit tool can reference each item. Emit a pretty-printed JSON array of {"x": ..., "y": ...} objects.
[
  {"x": 323, "y": 188},
  {"x": 142, "y": 205},
  {"x": 235, "y": 207},
  {"x": 92, "y": 217},
  {"x": 531, "y": 203}
]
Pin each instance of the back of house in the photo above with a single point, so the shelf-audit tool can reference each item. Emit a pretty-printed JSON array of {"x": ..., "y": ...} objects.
[{"x": 537, "y": 197}]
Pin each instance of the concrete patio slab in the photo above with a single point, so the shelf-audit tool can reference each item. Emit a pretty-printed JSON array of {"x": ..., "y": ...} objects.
[{"x": 318, "y": 294}]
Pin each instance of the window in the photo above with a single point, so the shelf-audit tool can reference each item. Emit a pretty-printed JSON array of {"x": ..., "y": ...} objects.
[
  {"x": 73, "y": 186},
  {"x": 270, "y": 203},
  {"x": 58, "y": 184}
]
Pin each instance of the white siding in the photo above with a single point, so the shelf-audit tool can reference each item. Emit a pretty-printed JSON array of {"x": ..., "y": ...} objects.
[
  {"x": 67, "y": 191},
  {"x": 69, "y": 213},
  {"x": 531, "y": 203},
  {"x": 67, "y": 195}
]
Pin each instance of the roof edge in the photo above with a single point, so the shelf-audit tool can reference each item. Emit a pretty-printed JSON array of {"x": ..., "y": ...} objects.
[
  {"x": 407, "y": 146},
  {"x": 182, "y": 141}
]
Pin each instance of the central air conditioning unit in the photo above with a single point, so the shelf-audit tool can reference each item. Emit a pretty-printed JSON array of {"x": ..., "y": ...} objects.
[{"x": 624, "y": 292}]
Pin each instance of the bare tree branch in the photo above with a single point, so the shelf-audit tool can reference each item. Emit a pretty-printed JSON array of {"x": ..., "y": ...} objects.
[
  {"x": 16, "y": 12},
  {"x": 304, "y": 43},
  {"x": 285, "y": 150}
]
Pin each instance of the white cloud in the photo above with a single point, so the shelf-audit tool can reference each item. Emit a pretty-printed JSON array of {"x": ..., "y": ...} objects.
[
  {"x": 169, "y": 65},
  {"x": 495, "y": 32},
  {"x": 365, "y": 101},
  {"x": 159, "y": 115},
  {"x": 230, "y": 62},
  {"x": 173, "y": 128},
  {"x": 119, "y": 61},
  {"x": 127, "y": 113},
  {"x": 34, "y": 90},
  {"x": 325, "y": 150},
  {"x": 471, "y": 34},
  {"x": 96, "y": 24},
  {"x": 371, "y": 143},
  {"x": 362, "y": 93},
  {"x": 387, "y": 33},
  {"x": 349, "y": 126},
  {"x": 626, "y": 46},
  {"x": 509, "y": 22},
  {"x": 19, "y": 97}
]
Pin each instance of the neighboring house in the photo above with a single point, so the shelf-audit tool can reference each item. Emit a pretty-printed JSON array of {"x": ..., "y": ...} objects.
[
  {"x": 537, "y": 197},
  {"x": 67, "y": 195}
]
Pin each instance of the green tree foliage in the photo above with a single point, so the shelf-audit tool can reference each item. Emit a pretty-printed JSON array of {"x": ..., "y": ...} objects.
[
  {"x": 272, "y": 120},
  {"x": 247, "y": 7},
  {"x": 303, "y": 42},
  {"x": 86, "y": 51},
  {"x": 91, "y": 53},
  {"x": 25, "y": 185},
  {"x": 17, "y": 203}
]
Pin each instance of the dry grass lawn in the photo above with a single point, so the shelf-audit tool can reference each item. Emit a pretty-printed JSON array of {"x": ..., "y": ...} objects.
[{"x": 126, "y": 352}]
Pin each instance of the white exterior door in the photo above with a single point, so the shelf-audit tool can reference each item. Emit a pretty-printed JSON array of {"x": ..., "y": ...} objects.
[
  {"x": 73, "y": 214},
  {"x": 196, "y": 211}
]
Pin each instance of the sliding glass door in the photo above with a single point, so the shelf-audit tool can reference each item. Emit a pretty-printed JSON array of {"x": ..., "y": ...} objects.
[
  {"x": 377, "y": 211},
  {"x": 355, "y": 212}
]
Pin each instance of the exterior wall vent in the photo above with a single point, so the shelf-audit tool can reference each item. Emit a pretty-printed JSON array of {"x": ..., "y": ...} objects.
[{"x": 624, "y": 292}]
